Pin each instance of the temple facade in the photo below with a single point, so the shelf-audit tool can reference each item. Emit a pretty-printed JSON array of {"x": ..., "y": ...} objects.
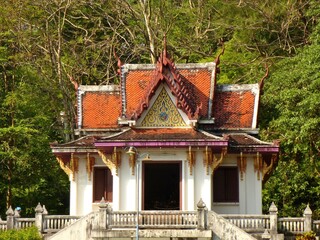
[{"x": 165, "y": 137}]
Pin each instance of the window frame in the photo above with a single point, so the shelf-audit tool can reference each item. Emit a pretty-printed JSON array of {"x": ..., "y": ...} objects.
[
  {"x": 232, "y": 195},
  {"x": 106, "y": 185}
]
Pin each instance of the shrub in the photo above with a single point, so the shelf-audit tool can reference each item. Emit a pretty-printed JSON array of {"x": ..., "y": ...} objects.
[
  {"x": 30, "y": 233},
  {"x": 307, "y": 236}
]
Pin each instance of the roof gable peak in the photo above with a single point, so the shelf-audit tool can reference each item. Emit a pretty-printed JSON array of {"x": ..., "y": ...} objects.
[{"x": 179, "y": 86}]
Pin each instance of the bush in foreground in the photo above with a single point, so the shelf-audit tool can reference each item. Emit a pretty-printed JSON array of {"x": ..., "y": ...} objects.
[{"x": 30, "y": 233}]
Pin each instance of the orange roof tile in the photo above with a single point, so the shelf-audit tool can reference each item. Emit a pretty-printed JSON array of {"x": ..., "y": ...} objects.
[
  {"x": 196, "y": 81},
  {"x": 234, "y": 109},
  {"x": 137, "y": 82},
  {"x": 100, "y": 110}
]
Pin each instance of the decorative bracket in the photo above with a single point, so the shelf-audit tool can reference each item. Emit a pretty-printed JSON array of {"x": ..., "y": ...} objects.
[
  {"x": 210, "y": 160},
  {"x": 216, "y": 162},
  {"x": 132, "y": 162},
  {"x": 242, "y": 165},
  {"x": 258, "y": 165},
  {"x": 65, "y": 167},
  {"x": 112, "y": 161},
  {"x": 71, "y": 167},
  {"x": 268, "y": 168},
  {"x": 191, "y": 159},
  {"x": 207, "y": 160},
  {"x": 74, "y": 162},
  {"x": 90, "y": 163}
]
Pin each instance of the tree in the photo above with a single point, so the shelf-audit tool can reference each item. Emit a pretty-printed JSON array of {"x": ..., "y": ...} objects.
[
  {"x": 26, "y": 114},
  {"x": 290, "y": 113}
]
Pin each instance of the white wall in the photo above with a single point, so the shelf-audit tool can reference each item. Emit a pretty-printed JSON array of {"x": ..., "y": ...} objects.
[
  {"x": 250, "y": 190},
  {"x": 202, "y": 181},
  {"x": 195, "y": 186}
]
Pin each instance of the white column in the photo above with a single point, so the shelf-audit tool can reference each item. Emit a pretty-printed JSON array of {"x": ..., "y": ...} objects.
[
  {"x": 203, "y": 184},
  {"x": 127, "y": 186},
  {"x": 116, "y": 192},
  {"x": 139, "y": 184},
  {"x": 189, "y": 186},
  {"x": 73, "y": 196},
  {"x": 242, "y": 194},
  {"x": 190, "y": 192},
  {"x": 207, "y": 190},
  {"x": 253, "y": 187}
]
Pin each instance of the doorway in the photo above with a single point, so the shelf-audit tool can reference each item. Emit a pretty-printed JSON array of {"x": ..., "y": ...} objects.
[{"x": 162, "y": 186}]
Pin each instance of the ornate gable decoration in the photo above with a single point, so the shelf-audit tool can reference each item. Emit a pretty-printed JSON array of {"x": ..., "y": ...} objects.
[
  {"x": 163, "y": 113},
  {"x": 180, "y": 87}
]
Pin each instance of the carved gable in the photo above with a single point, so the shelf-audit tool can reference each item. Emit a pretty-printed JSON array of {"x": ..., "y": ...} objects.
[{"x": 163, "y": 113}]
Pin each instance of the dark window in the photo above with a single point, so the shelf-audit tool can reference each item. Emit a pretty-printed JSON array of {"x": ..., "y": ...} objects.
[
  {"x": 102, "y": 184},
  {"x": 226, "y": 185}
]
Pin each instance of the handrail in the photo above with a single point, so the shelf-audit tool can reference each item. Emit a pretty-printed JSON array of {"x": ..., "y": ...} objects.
[
  {"x": 291, "y": 224},
  {"x": 54, "y": 223},
  {"x": 316, "y": 226},
  {"x": 154, "y": 219},
  {"x": 249, "y": 223},
  {"x": 25, "y": 222},
  {"x": 3, "y": 225}
]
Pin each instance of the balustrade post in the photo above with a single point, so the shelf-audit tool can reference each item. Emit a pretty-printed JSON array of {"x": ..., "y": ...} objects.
[
  {"x": 202, "y": 215},
  {"x": 10, "y": 216},
  {"x": 15, "y": 216},
  {"x": 39, "y": 217},
  {"x": 307, "y": 219},
  {"x": 273, "y": 212},
  {"x": 103, "y": 214}
]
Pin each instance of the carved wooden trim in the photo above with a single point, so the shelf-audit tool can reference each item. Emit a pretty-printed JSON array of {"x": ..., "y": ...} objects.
[
  {"x": 191, "y": 159},
  {"x": 132, "y": 162},
  {"x": 89, "y": 166},
  {"x": 112, "y": 161},
  {"x": 242, "y": 165},
  {"x": 74, "y": 164},
  {"x": 207, "y": 159},
  {"x": 216, "y": 162},
  {"x": 63, "y": 166},
  {"x": 258, "y": 164},
  {"x": 210, "y": 160},
  {"x": 268, "y": 168}
]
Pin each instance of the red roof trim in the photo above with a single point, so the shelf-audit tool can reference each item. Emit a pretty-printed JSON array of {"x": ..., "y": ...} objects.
[{"x": 166, "y": 71}]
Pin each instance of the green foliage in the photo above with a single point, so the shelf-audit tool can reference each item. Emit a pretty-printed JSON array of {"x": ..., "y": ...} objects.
[
  {"x": 290, "y": 112},
  {"x": 30, "y": 233},
  {"x": 307, "y": 236},
  {"x": 48, "y": 47}
]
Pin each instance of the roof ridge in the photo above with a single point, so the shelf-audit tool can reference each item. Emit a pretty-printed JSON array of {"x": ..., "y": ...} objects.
[
  {"x": 166, "y": 71},
  {"x": 117, "y": 134}
]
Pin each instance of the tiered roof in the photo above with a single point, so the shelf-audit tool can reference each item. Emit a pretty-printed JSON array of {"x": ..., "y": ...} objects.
[{"x": 107, "y": 114}]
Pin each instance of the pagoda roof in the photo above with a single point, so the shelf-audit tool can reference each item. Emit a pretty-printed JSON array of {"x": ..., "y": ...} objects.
[{"x": 166, "y": 71}]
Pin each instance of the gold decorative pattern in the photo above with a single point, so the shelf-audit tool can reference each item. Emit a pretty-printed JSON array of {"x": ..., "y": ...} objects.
[
  {"x": 132, "y": 162},
  {"x": 66, "y": 168},
  {"x": 112, "y": 161},
  {"x": 89, "y": 165},
  {"x": 242, "y": 165},
  {"x": 207, "y": 160},
  {"x": 74, "y": 163},
  {"x": 215, "y": 161},
  {"x": 191, "y": 159},
  {"x": 210, "y": 160},
  {"x": 258, "y": 165},
  {"x": 163, "y": 113},
  {"x": 268, "y": 168}
]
